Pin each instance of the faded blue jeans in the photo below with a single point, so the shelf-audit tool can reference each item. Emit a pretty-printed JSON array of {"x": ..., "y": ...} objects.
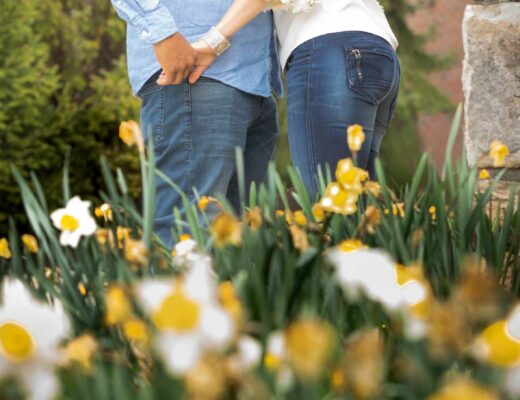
[
  {"x": 334, "y": 81},
  {"x": 195, "y": 131}
]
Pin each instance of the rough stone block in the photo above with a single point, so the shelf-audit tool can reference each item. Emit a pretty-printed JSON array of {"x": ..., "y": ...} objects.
[{"x": 491, "y": 80}]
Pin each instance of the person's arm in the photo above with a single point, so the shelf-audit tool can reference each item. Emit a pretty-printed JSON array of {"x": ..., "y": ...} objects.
[
  {"x": 157, "y": 27},
  {"x": 238, "y": 15}
]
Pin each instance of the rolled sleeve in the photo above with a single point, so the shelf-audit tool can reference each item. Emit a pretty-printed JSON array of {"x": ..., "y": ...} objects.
[{"x": 154, "y": 23}]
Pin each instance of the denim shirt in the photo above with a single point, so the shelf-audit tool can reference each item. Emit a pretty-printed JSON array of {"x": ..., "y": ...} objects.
[{"x": 250, "y": 65}]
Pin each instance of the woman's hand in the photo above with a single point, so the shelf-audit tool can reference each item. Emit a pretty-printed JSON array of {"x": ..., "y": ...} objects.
[{"x": 203, "y": 59}]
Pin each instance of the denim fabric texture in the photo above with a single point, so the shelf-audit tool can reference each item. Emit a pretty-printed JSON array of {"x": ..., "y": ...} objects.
[
  {"x": 246, "y": 65},
  {"x": 334, "y": 81},
  {"x": 195, "y": 130}
]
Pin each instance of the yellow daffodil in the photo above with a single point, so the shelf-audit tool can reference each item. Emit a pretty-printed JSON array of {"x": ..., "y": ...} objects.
[
  {"x": 350, "y": 245},
  {"x": 31, "y": 243},
  {"x": 484, "y": 174},
  {"x": 226, "y": 229},
  {"x": 338, "y": 200},
  {"x": 82, "y": 289},
  {"x": 30, "y": 335},
  {"x": 338, "y": 380},
  {"x": 229, "y": 300},
  {"x": 355, "y": 138},
  {"x": 135, "y": 330},
  {"x": 74, "y": 221},
  {"x": 204, "y": 203},
  {"x": 136, "y": 252},
  {"x": 433, "y": 212},
  {"x": 499, "y": 343},
  {"x": 398, "y": 209},
  {"x": 118, "y": 306},
  {"x": 371, "y": 218},
  {"x": 299, "y": 238},
  {"x": 81, "y": 351},
  {"x": 318, "y": 212},
  {"x": 498, "y": 152},
  {"x": 130, "y": 133},
  {"x": 253, "y": 218},
  {"x": 105, "y": 211},
  {"x": 350, "y": 177},
  {"x": 464, "y": 389},
  {"x": 5, "y": 252},
  {"x": 280, "y": 213},
  {"x": 188, "y": 317},
  {"x": 309, "y": 345},
  {"x": 300, "y": 218},
  {"x": 373, "y": 187}
]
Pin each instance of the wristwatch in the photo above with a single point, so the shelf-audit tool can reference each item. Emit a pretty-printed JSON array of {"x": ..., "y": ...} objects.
[{"x": 216, "y": 41}]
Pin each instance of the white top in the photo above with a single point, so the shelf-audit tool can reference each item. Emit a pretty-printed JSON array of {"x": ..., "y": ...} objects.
[{"x": 331, "y": 16}]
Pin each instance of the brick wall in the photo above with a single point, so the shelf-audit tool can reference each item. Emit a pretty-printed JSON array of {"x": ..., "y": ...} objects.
[{"x": 446, "y": 17}]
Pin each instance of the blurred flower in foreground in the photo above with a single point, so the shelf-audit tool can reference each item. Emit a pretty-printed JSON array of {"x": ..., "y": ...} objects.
[
  {"x": 230, "y": 301},
  {"x": 189, "y": 319},
  {"x": 253, "y": 218},
  {"x": 351, "y": 245},
  {"x": 249, "y": 353},
  {"x": 355, "y": 137},
  {"x": 81, "y": 350},
  {"x": 207, "y": 380},
  {"x": 74, "y": 221},
  {"x": 364, "y": 364},
  {"x": 130, "y": 134},
  {"x": 275, "y": 360},
  {"x": 371, "y": 219},
  {"x": 226, "y": 229},
  {"x": 370, "y": 272},
  {"x": 318, "y": 212},
  {"x": 135, "y": 330},
  {"x": 30, "y": 334},
  {"x": 498, "y": 152},
  {"x": 104, "y": 211},
  {"x": 31, "y": 243},
  {"x": 499, "y": 343},
  {"x": 464, "y": 389},
  {"x": 309, "y": 346},
  {"x": 5, "y": 252},
  {"x": 118, "y": 306},
  {"x": 136, "y": 252},
  {"x": 299, "y": 238}
]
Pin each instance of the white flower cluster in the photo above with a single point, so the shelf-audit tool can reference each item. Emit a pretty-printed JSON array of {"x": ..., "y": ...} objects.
[{"x": 295, "y": 6}]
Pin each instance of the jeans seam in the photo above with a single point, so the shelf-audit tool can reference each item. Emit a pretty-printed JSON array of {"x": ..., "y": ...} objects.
[
  {"x": 310, "y": 147},
  {"x": 189, "y": 144},
  {"x": 160, "y": 138}
]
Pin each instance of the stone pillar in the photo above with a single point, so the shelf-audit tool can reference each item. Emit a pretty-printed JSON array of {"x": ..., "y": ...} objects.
[{"x": 491, "y": 80}]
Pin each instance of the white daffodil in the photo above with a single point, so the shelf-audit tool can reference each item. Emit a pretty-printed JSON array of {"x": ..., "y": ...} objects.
[
  {"x": 276, "y": 360},
  {"x": 30, "y": 335},
  {"x": 249, "y": 354},
  {"x": 188, "y": 317},
  {"x": 186, "y": 254},
  {"x": 74, "y": 221},
  {"x": 368, "y": 271}
]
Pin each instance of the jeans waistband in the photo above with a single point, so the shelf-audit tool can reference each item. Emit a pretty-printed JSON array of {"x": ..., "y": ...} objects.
[{"x": 342, "y": 37}]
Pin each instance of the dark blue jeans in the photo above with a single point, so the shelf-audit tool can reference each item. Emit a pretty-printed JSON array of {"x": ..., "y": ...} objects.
[
  {"x": 195, "y": 131},
  {"x": 334, "y": 81}
]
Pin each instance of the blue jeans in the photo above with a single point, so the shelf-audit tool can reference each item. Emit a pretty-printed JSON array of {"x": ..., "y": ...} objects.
[
  {"x": 334, "y": 81},
  {"x": 195, "y": 131}
]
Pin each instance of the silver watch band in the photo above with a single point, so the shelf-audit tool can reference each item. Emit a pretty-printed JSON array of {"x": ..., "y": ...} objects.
[{"x": 216, "y": 41}]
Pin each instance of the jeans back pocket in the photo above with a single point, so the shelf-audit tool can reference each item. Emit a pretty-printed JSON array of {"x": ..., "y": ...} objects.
[{"x": 370, "y": 71}]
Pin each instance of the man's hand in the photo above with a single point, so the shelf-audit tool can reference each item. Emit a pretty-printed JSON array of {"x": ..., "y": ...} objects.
[
  {"x": 176, "y": 57},
  {"x": 205, "y": 56}
]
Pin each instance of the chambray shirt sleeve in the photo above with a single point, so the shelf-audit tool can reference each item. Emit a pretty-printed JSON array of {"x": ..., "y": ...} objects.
[{"x": 151, "y": 18}]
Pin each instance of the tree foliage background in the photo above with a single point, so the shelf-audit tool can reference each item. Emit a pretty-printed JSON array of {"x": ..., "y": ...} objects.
[{"x": 63, "y": 85}]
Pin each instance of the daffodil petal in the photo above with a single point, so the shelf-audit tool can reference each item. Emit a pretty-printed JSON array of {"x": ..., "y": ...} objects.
[
  {"x": 180, "y": 353},
  {"x": 216, "y": 326},
  {"x": 40, "y": 383},
  {"x": 153, "y": 292}
]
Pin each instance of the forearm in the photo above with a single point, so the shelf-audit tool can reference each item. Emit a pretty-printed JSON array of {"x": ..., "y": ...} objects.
[{"x": 240, "y": 14}]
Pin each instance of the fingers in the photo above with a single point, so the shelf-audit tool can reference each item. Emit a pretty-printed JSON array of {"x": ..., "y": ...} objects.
[
  {"x": 196, "y": 74},
  {"x": 172, "y": 78}
]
